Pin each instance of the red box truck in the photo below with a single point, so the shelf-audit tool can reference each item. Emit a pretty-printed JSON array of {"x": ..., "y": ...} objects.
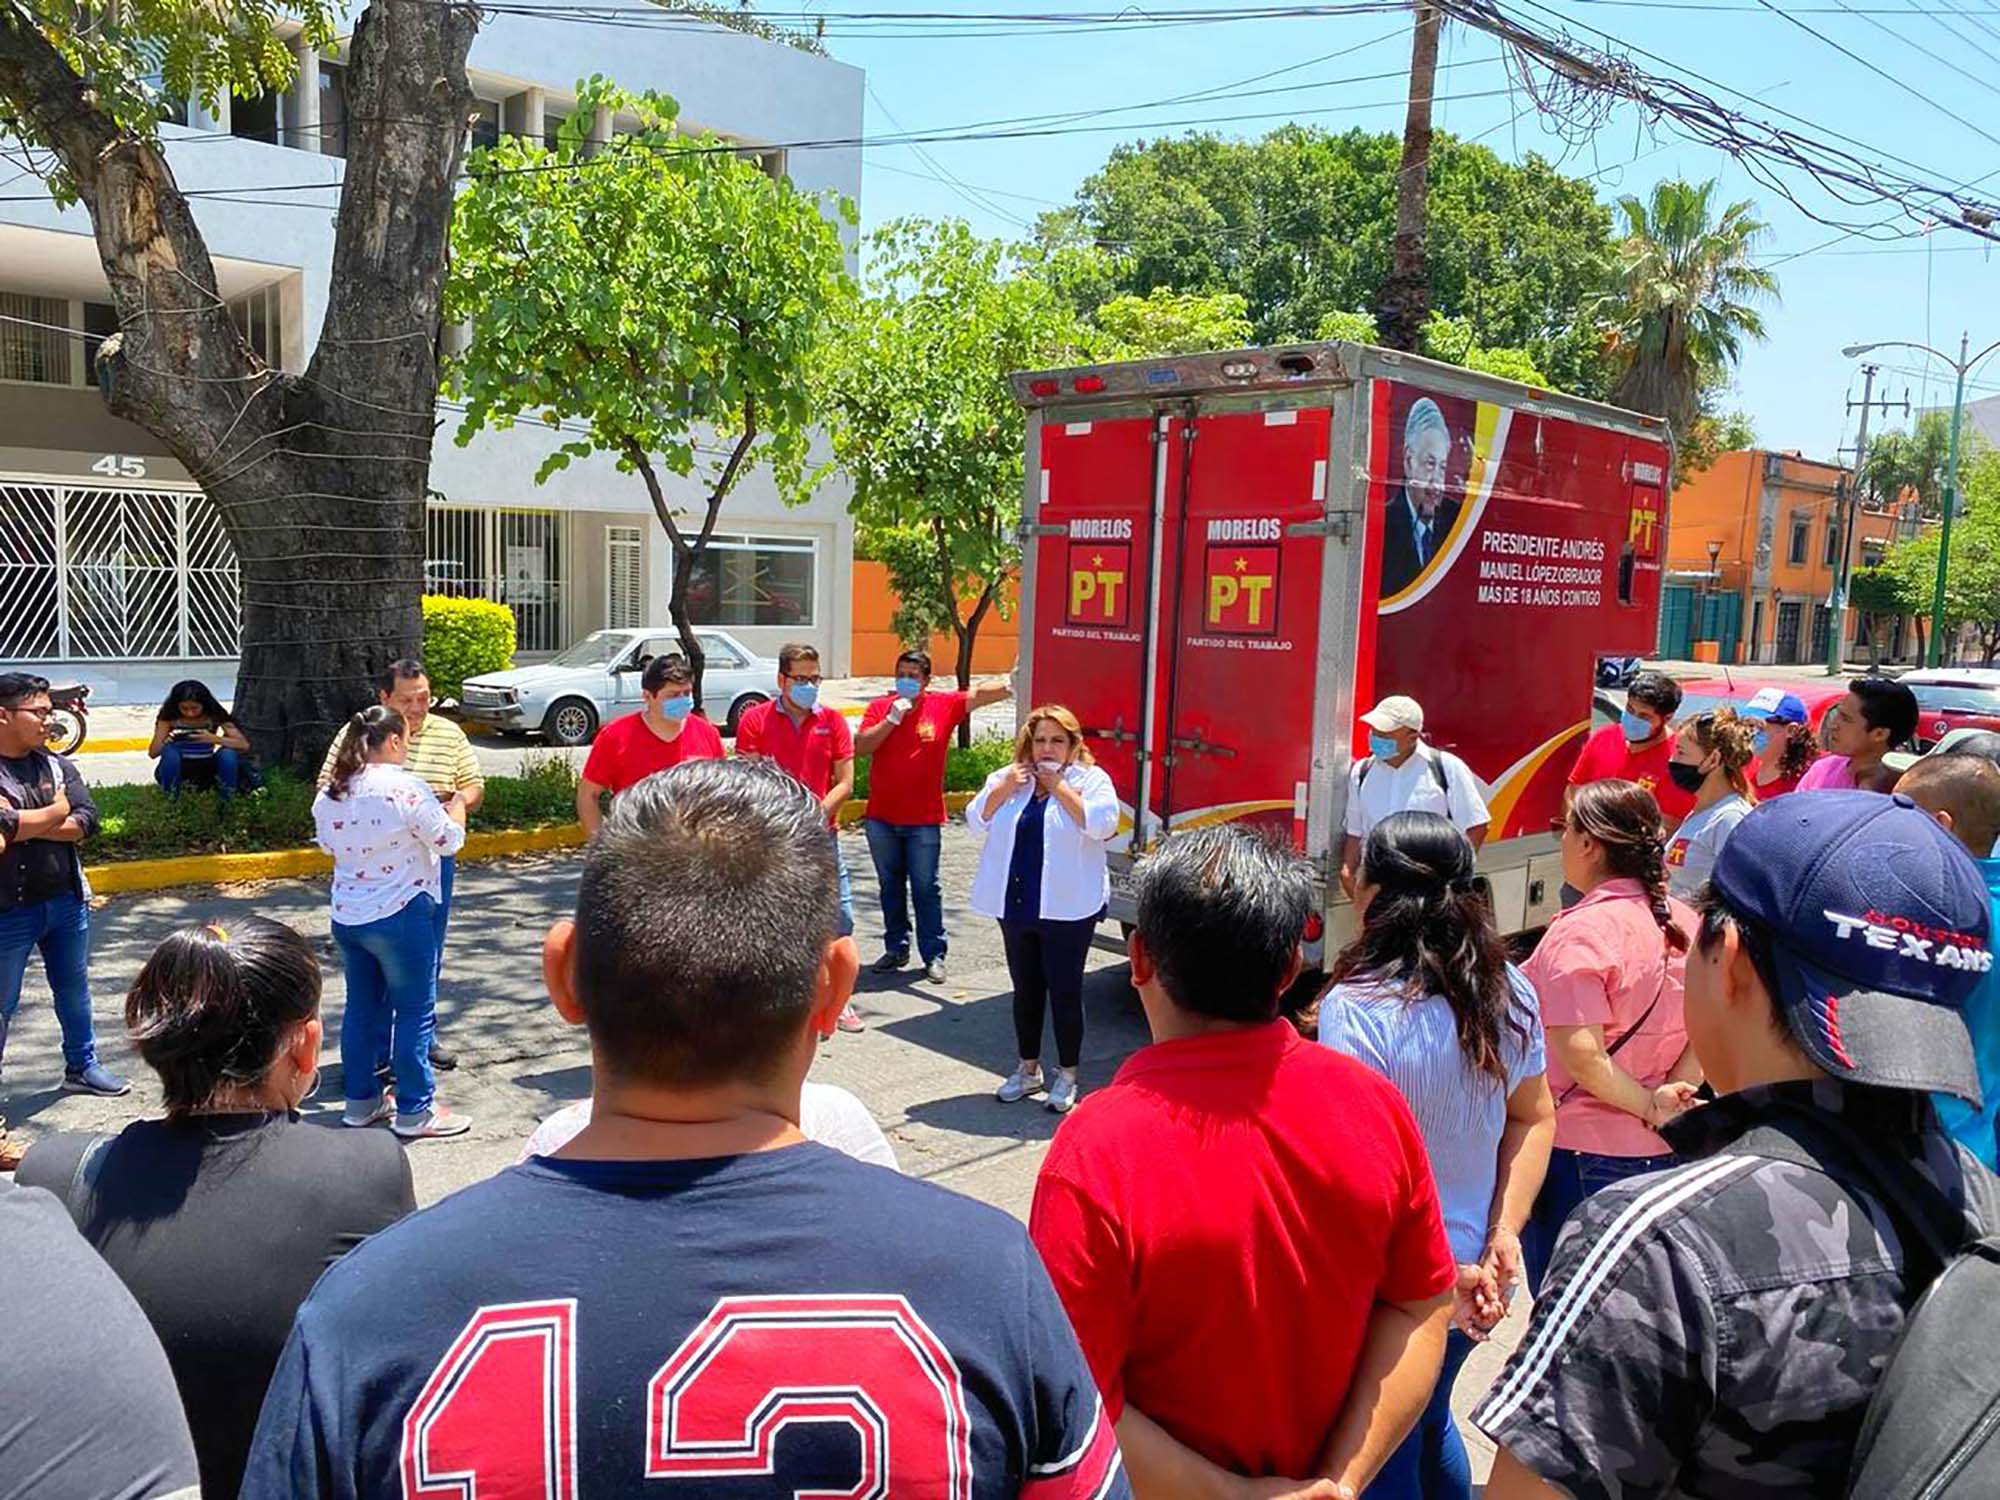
[{"x": 1224, "y": 566}]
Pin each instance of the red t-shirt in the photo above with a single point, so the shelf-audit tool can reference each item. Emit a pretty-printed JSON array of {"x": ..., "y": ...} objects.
[
  {"x": 906, "y": 773},
  {"x": 1220, "y": 1222},
  {"x": 626, "y": 750},
  {"x": 808, "y": 750},
  {"x": 1607, "y": 754}
]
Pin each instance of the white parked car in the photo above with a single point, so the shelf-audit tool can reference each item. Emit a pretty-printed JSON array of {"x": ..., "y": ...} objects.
[{"x": 568, "y": 698}]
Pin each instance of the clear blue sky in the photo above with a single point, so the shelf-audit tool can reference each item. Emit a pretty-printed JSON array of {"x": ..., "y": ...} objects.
[{"x": 1924, "y": 288}]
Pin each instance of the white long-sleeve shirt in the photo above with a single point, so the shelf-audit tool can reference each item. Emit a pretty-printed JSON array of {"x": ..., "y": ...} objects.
[
  {"x": 1075, "y": 879},
  {"x": 387, "y": 837}
]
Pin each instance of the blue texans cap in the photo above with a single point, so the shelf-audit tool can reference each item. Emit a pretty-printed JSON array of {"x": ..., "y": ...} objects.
[{"x": 1879, "y": 922}]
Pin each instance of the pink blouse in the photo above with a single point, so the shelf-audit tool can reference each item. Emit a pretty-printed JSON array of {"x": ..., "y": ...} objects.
[{"x": 1602, "y": 963}]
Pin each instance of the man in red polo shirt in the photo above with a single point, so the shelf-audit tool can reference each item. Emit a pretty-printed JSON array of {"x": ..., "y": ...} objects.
[
  {"x": 814, "y": 744},
  {"x": 1638, "y": 747},
  {"x": 908, "y": 734},
  {"x": 1260, "y": 1282},
  {"x": 664, "y": 733}
]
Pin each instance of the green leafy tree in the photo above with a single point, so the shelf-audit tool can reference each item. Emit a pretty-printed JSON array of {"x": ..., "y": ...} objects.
[
  {"x": 1914, "y": 461},
  {"x": 1169, "y": 322},
  {"x": 318, "y": 476},
  {"x": 1301, "y": 224},
  {"x": 1451, "y": 340},
  {"x": 1687, "y": 295},
  {"x": 1708, "y": 437},
  {"x": 1880, "y": 594},
  {"x": 663, "y": 306},
  {"x": 1972, "y": 582},
  {"x": 915, "y": 394}
]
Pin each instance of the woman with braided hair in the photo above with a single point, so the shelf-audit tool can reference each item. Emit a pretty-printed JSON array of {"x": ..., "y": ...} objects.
[
  {"x": 1425, "y": 996},
  {"x": 1608, "y": 973}
]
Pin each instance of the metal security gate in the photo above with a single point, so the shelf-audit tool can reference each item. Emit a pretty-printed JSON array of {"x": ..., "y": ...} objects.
[
  {"x": 114, "y": 575},
  {"x": 625, "y": 577},
  {"x": 518, "y": 557}
]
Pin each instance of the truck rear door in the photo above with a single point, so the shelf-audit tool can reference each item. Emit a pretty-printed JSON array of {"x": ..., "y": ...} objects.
[
  {"x": 1246, "y": 549},
  {"x": 1093, "y": 534}
]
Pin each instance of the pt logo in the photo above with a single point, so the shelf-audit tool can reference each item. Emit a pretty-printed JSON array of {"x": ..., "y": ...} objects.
[
  {"x": 1242, "y": 591},
  {"x": 1099, "y": 592},
  {"x": 1643, "y": 531}
]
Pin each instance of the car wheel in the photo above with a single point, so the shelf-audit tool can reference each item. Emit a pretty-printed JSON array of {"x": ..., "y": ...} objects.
[
  {"x": 739, "y": 708},
  {"x": 571, "y": 721}
]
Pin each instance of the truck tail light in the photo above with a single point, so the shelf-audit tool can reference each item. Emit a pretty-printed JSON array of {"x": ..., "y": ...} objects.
[
  {"x": 1043, "y": 387},
  {"x": 1239, "y": 369},
  {"x": 1089, "y": 385}
]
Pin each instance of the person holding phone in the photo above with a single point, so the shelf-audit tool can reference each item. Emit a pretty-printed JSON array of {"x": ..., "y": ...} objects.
[
  {"x": 1044, "y": 819},
  {"x": 196, "y": 739}
]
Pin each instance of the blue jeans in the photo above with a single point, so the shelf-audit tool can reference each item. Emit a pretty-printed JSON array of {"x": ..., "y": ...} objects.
[
  {"x": 447, "y": 869},
  {"x": 1431, "y": 1464},
  {"x": 60, "y": 927},
  {"x": 391, "y": 988},
  {"x": 175, "y": 761},
  {"x": 907, "y": 854},
  {"x": 846, "y": 928},
  {"x": 1573, "y": 1177}
]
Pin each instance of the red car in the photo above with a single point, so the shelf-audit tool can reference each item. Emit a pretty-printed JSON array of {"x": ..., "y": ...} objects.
[{"x": 1948, "y": 699}]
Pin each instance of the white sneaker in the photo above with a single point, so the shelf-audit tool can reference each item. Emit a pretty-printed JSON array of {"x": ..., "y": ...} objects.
[
  {"x": 1023, "y": 1081},
  {"x": 434, "y": 1124},
  {"x": 360, "y": 1116},
  {"x": 1063, "y": 1091}
]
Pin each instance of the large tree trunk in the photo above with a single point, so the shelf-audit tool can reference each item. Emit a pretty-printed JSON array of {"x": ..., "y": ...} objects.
[
  {"x": 1403, "y": 307},
  {"x": 320, "y": 478}
]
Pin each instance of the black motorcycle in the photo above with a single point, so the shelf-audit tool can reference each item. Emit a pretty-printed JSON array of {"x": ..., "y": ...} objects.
[{"x": 70, "y": 717}]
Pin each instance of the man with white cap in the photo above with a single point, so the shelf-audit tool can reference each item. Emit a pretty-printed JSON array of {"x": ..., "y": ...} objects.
[{"x": 1401, "y": 773}]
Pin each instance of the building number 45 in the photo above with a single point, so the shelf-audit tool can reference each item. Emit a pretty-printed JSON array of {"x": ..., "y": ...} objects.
[{"x": 497, "y": 1418}]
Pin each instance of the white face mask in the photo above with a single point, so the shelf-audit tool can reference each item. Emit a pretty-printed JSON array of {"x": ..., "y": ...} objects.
[{"x": 1048, "y": 767}]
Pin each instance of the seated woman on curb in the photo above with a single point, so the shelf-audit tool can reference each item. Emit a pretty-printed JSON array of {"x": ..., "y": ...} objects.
[
  {"x": 221, "y": 1216},
  {"x": 197, "y": 740}
]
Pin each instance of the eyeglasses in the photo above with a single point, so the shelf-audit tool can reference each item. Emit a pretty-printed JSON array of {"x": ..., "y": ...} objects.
[
  {"x": 34, "y": 713},
  {"x": 815, "y": 679}
]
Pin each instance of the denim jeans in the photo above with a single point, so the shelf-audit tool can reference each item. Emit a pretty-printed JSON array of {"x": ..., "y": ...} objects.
[
  {"x": 1431, "y": 1464},
  {"x": 60, "y": 927},
  {"x": 846, "y": 928},
  {"x": 1573, "y": 1177},
  {"x": 907, "y": 855},
  {"x": 391, "y": 988},
  {"x": 175, "y": 763},
  {"x": 447, "y": 869}
]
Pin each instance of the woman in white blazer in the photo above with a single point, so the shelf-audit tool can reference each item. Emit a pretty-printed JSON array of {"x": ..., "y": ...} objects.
[{"x": 1044, "y": 820}]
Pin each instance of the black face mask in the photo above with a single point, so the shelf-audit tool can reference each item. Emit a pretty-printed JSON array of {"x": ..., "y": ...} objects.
[{"x": 1688, "y": 778}]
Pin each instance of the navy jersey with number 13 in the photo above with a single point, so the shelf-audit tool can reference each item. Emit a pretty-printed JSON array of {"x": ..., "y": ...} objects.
[{"x": 787, "y": 1323}]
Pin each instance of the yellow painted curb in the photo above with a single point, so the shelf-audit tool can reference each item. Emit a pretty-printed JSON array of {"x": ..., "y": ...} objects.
[
  {"x": 283, "y": 864},
  {"x": 117, "y": 746}
]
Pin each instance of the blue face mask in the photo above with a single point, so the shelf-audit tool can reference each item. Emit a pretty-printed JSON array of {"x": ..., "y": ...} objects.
[
  {"x": 1383, "y": 746},
  {"x": 1637, "y": 730},
  {"x": 803, "y": 694},
  {"x": 908, "y": 687},
  {"x": 1761, "y": 740},
  {"x": 677, "y": 708}
]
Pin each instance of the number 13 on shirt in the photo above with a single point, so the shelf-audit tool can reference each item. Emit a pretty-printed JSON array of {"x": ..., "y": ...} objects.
[{"x": 497, "y": 1418}]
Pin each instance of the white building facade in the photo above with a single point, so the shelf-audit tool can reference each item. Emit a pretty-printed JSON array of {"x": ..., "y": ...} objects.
[{"x": 113, "y": 567}]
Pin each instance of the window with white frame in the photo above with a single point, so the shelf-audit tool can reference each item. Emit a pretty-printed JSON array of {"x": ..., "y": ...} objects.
[
  {"x": 624, "y": 578},
  {"x": 35, "y": 344},
  {"x": 258, "y": 318},
  {"x": 755, "y": 580}
]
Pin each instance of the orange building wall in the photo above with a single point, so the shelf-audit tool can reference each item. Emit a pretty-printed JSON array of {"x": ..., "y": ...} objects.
[{"x": 876, "y": 644}]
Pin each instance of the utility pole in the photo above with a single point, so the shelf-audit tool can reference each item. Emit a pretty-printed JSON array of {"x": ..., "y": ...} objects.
[
  {"x": 1847, "y": 504},
  {"x": 1403, "y": 305}
]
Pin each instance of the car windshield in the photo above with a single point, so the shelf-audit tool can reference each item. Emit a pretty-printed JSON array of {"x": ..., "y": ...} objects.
[
  {"x": 1937, "y": 697},
  {"x": 598, "y": 649}
]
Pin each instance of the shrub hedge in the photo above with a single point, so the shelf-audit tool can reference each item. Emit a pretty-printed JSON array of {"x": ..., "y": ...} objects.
[
  {"x": 142, "y": 822},
  {"x": 463, "y": 638}
]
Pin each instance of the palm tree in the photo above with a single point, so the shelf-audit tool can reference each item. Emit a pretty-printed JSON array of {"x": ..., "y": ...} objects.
[{"x": 1686, "y": 298}]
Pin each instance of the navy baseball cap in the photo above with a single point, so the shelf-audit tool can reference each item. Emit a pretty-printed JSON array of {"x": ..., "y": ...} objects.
[
  {"x": 1776, "y": 705},
  {"x": 1878, "y": 921}
]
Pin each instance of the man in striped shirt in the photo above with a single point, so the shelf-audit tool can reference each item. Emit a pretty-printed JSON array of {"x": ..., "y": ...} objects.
[{"x": 441, "y": 757}]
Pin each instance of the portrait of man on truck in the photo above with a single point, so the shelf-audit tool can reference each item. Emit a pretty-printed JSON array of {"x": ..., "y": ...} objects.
[{"x": 1422, "y": 510}]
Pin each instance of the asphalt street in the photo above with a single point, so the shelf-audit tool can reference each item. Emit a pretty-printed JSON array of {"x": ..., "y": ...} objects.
[{"x": 926, "y": 1066}]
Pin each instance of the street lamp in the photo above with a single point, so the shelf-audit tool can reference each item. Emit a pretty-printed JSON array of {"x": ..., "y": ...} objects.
[{"x": 1963, "y": 366}]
